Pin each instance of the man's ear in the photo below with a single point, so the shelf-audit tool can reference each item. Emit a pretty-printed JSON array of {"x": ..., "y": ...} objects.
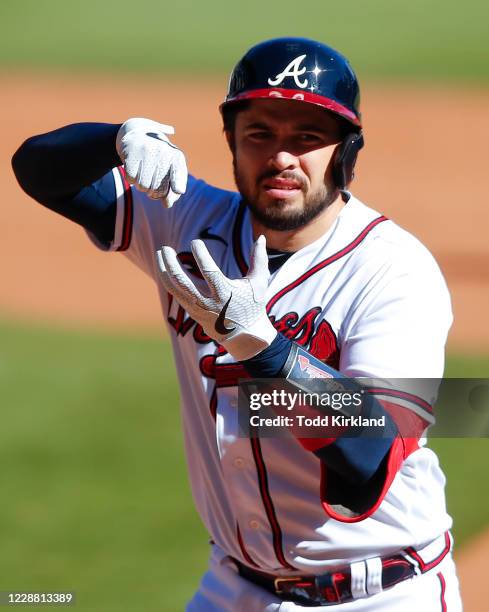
[{"x": 344, "y": 159}]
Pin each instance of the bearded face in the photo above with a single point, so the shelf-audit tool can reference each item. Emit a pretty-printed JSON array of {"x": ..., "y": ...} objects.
[{"x": 282, "y": 156}]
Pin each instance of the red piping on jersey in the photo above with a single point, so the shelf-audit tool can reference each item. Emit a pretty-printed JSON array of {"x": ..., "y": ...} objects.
[
  {"x": 128, "y": 212},
  {"x": 400, "y": 449},
  {"x": 443, "y": 586},
  {"x": 410, "y": 425},
  {"x": 268, "y": 504},
  {"x": 414, "y": 399},
  {"x": 244, "y": 552},
  {"x": 425, "y": 567},
  {"x": 213, "y": 403},
  {"x": 322, "y": 264},
  {"x": 240, "y": 260},
  {"x": 179, "y": 324}
]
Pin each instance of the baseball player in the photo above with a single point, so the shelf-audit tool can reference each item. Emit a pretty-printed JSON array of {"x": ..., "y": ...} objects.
[{"x": 289, "y": 278}]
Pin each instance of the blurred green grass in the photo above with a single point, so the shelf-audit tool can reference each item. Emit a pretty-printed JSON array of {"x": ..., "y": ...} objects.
[
  {"x": 386, "y": 39},
  {"x": 94, "y": 486}
]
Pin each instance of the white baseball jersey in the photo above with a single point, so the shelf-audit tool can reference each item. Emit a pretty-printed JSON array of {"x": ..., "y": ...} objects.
[{"x": 368, "y": 298}]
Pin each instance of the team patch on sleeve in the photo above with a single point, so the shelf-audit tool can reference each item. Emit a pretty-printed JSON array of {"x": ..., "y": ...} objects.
[{"x": 125, "y": 213}]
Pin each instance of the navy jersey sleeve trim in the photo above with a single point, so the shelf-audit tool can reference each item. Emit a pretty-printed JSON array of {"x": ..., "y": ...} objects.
[{"x": 125, "y": 211}]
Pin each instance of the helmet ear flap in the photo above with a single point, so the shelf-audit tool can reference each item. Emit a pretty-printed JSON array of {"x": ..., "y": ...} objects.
[{"x": 345, "y": 159}]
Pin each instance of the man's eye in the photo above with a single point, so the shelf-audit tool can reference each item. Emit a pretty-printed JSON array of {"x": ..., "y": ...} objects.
[
  {"x": 258, "y": 135},
  {"x": 305, "y": 137}
]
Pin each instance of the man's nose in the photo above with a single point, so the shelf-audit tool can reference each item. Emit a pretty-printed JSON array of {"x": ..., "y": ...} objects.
[{"x": 284, "y": 160}]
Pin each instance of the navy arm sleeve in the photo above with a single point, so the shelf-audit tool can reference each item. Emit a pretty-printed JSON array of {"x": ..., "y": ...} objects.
[{"x": 69, "y": 171}]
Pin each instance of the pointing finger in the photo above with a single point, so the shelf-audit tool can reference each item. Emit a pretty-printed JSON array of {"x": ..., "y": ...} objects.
[
  {"x": 179, "y": 173},
  {"x": 259, "y": 259},
  {"x": 203, "y": 257},
  {"x": 210, "y": 270},
  {"x": 166, "y": 129},
  {"x": 180, "y": 282}
]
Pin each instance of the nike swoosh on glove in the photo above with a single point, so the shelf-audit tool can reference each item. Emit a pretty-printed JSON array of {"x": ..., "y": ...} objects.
[
  {"x": 234, "y": 312},
  {"x": 152, "y": 163}
]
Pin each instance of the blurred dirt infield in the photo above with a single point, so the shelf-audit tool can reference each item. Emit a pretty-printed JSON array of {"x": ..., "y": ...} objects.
[{"x": 422, "y": 166}]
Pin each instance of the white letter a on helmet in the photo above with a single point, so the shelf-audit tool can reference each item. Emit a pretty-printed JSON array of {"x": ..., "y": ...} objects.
[{"x": 293, "y": 70}]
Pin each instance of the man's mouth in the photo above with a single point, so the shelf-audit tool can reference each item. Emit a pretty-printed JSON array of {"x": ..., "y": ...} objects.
[{"x": 281, "y": 188}]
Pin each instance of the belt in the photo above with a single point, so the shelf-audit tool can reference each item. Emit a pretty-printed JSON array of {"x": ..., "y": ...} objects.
[{"x": 346, "y": 583}]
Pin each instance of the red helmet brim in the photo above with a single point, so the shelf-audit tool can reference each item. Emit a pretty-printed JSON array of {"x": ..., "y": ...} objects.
[{"x": 300, "y": 96}]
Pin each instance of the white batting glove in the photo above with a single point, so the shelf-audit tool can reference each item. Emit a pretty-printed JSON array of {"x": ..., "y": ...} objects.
[
  {"x": 152, "y": 163},
  {"x": 234, "y": 313}
]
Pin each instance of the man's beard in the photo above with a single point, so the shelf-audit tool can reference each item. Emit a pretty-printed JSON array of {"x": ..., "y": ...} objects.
[{"x": 275, "y": 217}]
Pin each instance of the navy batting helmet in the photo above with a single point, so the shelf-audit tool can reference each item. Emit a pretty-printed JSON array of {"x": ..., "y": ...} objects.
[
  {"x": 297, "y": 69},
  {"x": 308, "y": 71}
]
